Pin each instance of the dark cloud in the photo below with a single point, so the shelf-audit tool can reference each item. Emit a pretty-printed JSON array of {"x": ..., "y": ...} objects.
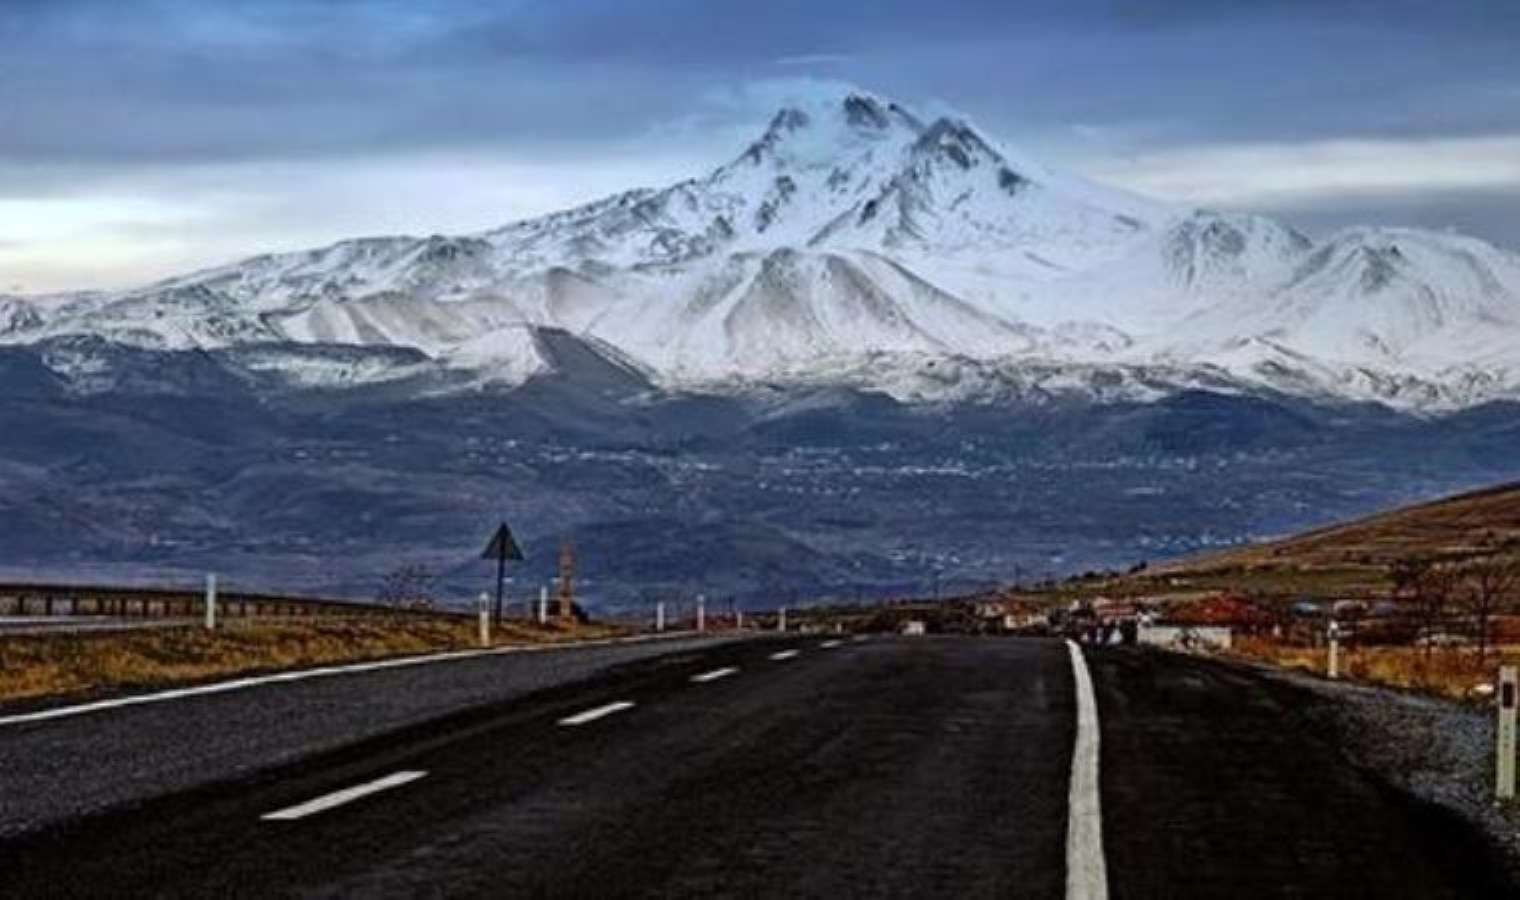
[
  {"x": 100, "y": 94},
  {"x": 173, "y": 79}
]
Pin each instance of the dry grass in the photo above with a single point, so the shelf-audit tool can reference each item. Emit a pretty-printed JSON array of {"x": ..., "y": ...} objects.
[
  {"x": 1460, "y": 527},
  {"x": 1453, "y": 672},
  {"x": 50, "y": 665},
  {"x": 1347, "y": 560}
]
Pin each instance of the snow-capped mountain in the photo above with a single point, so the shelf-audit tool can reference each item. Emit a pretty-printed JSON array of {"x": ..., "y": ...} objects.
[{"x": 856, "y": 242}]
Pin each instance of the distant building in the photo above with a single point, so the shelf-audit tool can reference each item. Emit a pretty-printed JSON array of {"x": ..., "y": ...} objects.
[{"x": 1211, "y": 623}]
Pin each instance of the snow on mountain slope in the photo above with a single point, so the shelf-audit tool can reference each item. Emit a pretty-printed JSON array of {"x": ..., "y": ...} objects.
[
  {"x": 1394, "y": 300},
  {"x": 857, "y": 242}
]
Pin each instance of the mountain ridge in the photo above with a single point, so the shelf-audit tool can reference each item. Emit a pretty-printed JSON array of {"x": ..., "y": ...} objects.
[{"x": 857, "y": 243}]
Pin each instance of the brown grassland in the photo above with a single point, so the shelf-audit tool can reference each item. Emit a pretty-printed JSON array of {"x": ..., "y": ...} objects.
[
  {"x": 33, "y": 666},
  {"x": 1346, "y": 560},
  {"x": 1452, "y": 672},
  {"x": 1352, "y": 560}
]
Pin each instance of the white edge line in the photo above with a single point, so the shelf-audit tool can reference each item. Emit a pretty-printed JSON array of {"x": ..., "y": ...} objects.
[
  {"x": 338, "y": 798},
  {"x": 829, "y": 645},
  {"x": 1086, "y": 869},
  {"x": 237, "y": 684},
  {"x": 714, "y": 675},
  {"x": 784, "y": 654},
  {"x": 600, "y": 712}
]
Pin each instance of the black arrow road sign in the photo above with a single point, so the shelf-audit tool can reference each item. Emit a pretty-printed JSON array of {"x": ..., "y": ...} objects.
[{"x": 502, "y": 548}]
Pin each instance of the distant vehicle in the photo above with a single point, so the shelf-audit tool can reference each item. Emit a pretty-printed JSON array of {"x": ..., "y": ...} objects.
[{"x": 914, "y": 627}]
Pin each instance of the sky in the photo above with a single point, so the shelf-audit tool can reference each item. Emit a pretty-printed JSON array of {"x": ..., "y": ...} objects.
[{"x": 144, "y": 138}]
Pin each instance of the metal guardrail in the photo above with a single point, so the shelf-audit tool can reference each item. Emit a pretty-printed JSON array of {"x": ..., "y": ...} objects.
[{"x": 65, "y": 600}]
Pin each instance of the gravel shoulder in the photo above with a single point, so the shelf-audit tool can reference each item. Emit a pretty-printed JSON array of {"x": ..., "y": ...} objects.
[{"x": 1437, "y": 750}]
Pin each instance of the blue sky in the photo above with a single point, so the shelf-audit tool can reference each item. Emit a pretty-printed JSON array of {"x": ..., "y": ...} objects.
[{"x": 139, "y": 138}]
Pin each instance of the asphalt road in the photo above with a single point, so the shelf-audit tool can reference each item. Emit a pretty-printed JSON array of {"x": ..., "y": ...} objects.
[{"x": 891, "y": 767}]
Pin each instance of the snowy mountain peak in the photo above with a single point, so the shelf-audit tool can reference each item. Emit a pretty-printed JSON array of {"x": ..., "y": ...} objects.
[
  {"x": 822, "y": 130},
  {"x": 856, "y": 242}
]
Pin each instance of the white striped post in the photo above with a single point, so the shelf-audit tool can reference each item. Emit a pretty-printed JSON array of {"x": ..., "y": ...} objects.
[
  {"x": 1504, "y": 738},
  {"x": 659, "y": 617},
  {"x": 484, "y": 617},
  {"x": 211, "y": 602}
]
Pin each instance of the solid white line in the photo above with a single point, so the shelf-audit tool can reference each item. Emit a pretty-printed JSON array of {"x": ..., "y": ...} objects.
[
  {"x": 784, "y": 654},
  {"x": 829, "y": 645},
  {"x": 1086, "y": 870},
  {"x": 714, "y": 675},
  {"x": 338, "y": 798},
  {"x": 591, "y": 715},
  {"x": 237, "y": 684}
]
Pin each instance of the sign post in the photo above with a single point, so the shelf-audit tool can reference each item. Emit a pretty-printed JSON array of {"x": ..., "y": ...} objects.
[
  {"x": 1504, "y": 743},
  {"x": 211, "y": 602},
  {"x": 502, "y": 548},
  {"x": 484, "y": 614}
]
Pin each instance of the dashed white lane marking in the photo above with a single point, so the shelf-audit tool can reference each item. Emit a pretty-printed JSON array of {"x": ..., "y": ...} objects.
[
  {"x": 714, "y": 675},
  {"x": 1086, "y": 869},
  {"x": 784, "y": 654},
  {"x": 829, "y": 645},
  {"x": 338, "y": 798},
  {"x": 591, "y": 715},
  {"x": 237, "y": 684}
]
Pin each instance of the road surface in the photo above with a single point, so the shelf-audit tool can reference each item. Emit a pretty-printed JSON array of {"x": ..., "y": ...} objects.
[{"x": 925, "y": 767}]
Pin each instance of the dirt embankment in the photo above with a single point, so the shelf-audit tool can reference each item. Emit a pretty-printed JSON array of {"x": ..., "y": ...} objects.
[{"x": 37, "y": 666}]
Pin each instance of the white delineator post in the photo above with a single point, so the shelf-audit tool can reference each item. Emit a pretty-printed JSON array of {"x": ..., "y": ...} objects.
[
  {"x": 485, "y": 620},
  {"x": 543, "y": 606},
  {"x": 659, "y": 616},
  {"x": 781, "y": 620},
  {"x": 1504, "y": 739},
  {"x": 211, "y": 602},
  {"x": 701, "y": 613},
  {"x": 1333, "y": 665},
  {"x": 739, "y": 620}
]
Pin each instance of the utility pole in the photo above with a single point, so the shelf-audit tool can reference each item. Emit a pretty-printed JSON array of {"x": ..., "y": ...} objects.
[{"x": 566, "y": 580}]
